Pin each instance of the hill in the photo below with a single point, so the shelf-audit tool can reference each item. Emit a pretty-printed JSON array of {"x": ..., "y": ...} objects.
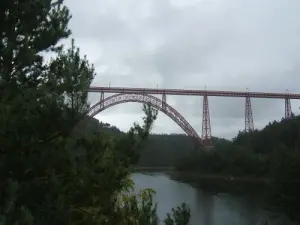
[
  {"x": 266, "y": 159},
  {"x": 160, "y": 150},
  {"x": 272, "y": 152}
]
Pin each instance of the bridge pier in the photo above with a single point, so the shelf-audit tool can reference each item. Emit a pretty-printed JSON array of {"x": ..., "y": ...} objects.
[
  {"x": 102, "y": 100},
  {"x": 249, "y": 125},
  {"x": 288, "y": 108},
  {"x": 164, "y": 100},
  {"x": 206, "y": 128}
]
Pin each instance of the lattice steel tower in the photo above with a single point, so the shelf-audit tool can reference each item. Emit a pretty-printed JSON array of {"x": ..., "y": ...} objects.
[
  {"x": 206, "y": 128},
  {"x": 288, "y": 108},
  {"x": 249, "y": 125}
]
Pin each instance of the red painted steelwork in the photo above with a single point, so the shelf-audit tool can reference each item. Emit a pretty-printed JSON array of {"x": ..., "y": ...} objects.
[
  {"x": 249, "y": 125},
  {"x": 155, "y": 102},
  {"x": 288, "y": 108},
  {"x": 193, "y": 92},
  {"x": 206, "y": 128},
  {"x": 101, "y": 99}
]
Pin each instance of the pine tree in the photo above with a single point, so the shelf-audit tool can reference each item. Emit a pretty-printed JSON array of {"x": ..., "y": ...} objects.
[
  {"x": 28, "y": 30},
  {"x": 50, "y": 172}
]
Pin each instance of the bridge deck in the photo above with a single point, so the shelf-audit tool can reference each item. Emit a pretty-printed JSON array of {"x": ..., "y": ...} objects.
[{"x": 194, "y": 92}]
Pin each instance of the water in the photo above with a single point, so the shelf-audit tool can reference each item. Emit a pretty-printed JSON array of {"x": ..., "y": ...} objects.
[{"x": 206, "y": 208}]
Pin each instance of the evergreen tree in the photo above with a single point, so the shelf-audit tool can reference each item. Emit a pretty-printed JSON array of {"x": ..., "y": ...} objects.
[
  {"x": 51, "y": 172},
  {"x": 29, "y": 29}
]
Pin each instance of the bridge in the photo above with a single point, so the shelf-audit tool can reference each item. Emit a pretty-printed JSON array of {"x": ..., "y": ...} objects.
[{"x": 145, "y": 95}]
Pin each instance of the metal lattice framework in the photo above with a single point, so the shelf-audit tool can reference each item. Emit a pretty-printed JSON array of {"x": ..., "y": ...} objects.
[
  {"x": 288, "y": 108},
  {"x": 173, "y": 114},
  {"x": 157, "y": 91},
  {"x": 206, "y": 128},
  {"x": 249, "y": 125},
  {"x": 154, "y": 101}
]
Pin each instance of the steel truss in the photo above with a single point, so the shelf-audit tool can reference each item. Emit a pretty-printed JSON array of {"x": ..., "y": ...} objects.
[
  {"x": 288, "y": 108},
  {"x": 141, "y": 98},
  {"x": 206, "y": 128},
  {"x": 149, "y": 91},
  {"x": 249, "y": 125}
]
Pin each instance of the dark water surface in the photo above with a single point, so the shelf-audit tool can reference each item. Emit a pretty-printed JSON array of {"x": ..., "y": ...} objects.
[{"x": 206, "y": 208}]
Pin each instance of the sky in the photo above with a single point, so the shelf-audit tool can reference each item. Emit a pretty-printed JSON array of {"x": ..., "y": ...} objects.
[{"x": 192, "y": 44}]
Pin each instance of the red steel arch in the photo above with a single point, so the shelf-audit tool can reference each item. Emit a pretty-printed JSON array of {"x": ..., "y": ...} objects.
[{"x": 141, "y": 98}]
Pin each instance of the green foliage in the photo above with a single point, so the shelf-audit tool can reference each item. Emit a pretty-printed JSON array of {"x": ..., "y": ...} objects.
[
  {"x": 272, "y": 152},
  {"x": 285, "y": 133},
  {"x": 27, "y": 30},
  {"x": 164, "y": 150},
  {"x": 180, "y": 215},
  {"x": 53, "y": 168},
  {"x": 139, "y": 209}
]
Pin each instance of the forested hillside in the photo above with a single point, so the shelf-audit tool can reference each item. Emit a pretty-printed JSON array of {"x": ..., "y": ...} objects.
[
  {"x": 272, "y": 152},
  {"x": 167, "y": 149},
  {"x": 270, "y": 156},
  {"x": 160, "y": 150}
]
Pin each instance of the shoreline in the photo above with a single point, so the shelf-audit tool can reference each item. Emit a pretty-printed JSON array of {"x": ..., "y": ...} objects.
[
  {"x": 153, "y": 169},
  {"x": 192, "y": 177},
  {"x": 189, "y": 176},
  {"x": 198, "y": 177},
  {"x": 261, "y": 189}
]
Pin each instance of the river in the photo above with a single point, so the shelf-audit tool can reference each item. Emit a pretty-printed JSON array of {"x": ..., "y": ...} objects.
[{"x": 206, "y": 208}]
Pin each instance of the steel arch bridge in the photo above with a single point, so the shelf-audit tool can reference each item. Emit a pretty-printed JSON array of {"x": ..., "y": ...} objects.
[{"x": 158, "y": 104}]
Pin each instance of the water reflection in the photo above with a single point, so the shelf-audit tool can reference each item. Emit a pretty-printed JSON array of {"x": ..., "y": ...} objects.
[
  {"x": 205, "y": 202},
  {"x": 206, "y": 208}
]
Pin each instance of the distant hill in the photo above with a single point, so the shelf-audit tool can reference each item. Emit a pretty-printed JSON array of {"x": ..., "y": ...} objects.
[
  {"x": 273, "y": 151},
  {"x": 90, "y": 124},
  {"x": 160, "y": 150},
  {"x": 167, "y": 149},
  {"x": 284, "y": 134}
]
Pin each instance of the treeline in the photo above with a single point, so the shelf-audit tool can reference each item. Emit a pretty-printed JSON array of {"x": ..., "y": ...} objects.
[
  {"x": 269, "y": 157},
  {"x": 160, "y": 150},
  {"x": 273, "y": 152},
  {"x": 165, "y": 150}
]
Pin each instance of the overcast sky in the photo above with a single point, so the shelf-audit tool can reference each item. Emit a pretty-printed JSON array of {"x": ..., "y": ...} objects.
[{"x": 223, "y": 44}]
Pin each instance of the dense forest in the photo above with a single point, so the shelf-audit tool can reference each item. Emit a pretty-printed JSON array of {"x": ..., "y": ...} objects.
[
  {"x": 269, "y": 158},
  {"x": 55, "y": 167},
  {"x": 273, "y": 152},
  {"x": 159, "y": 150},
  {"x": 165, "y": 150}
]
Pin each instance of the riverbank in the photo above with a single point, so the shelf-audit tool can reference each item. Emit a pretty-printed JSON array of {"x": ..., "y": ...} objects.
[
  {"x": 194, "y": 176},
  {"x": 213, "y": 182},
  {"x": 153, "y": 169},
  {"x": 271, "y": 195},
  {"x": 224, "y": 183},
  {"x": 208, "y": 205}
]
